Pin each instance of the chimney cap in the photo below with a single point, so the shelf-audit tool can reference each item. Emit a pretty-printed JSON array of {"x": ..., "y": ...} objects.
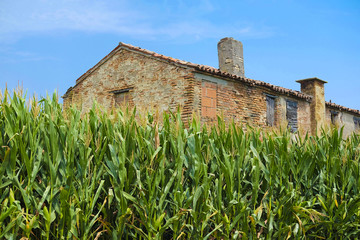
[
  {"x": 228, "y": 39},
  {"x": 311, "y": 80}
]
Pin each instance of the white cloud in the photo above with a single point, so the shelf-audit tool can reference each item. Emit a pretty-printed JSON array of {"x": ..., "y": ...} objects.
[{"x": 172, "y": 19}]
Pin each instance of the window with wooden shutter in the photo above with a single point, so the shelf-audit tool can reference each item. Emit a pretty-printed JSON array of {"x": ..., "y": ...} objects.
[
  {"x": 270, "y": 110},
  {"x": 357, "y": 123},
  {"x": 123, "y": 97},
  {"x": 291, "y": 115}
]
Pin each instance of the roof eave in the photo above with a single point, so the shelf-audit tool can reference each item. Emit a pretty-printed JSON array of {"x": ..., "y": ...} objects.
[
  {"x": 342, "y": 108},
  {"x": 252, "y": 82}
]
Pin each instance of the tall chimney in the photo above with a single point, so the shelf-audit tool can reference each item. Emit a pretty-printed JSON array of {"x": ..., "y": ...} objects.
[
  {"x": 231, "y": 58},
  {"x": 315, "y": 88}
]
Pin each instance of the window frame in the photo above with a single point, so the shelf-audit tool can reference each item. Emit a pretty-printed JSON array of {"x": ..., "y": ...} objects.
[{"x": 123, "y": 91}]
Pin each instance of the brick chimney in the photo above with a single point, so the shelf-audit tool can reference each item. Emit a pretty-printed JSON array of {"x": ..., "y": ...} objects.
[
  {"x": 315, "y": 88},
  {"x": 231, "y": 58}
]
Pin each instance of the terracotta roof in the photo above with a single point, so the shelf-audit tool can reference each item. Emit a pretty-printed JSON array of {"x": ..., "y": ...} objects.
[
  {"x": 197, "y": 67},
  {"x": 215, "y": 71},
  {"x": 342, "y": 108}
]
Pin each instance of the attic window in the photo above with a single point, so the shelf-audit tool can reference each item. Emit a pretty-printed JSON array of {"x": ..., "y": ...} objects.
[
  {"x": 291, "y": 115},
  {"x": 357, "y": 123},
  {"x": 122, "y": 96},
  {"x": 334, "y": 117}
]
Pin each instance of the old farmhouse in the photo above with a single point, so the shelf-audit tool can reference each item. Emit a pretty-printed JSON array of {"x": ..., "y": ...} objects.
[{"x": 138, "y": 77}]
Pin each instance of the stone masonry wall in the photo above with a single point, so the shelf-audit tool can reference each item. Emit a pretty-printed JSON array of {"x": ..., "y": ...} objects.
[
  {"x": 304, "y": 116},
  {"x": 343, "y": 119},
  {"x": 155, "y": 84}
]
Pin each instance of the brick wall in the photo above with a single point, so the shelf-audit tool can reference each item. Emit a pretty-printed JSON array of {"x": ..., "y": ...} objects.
[
  {"x": 304, "y": 116},
  {"x": 208, "y": 100},
  {"x": 242, "y": 103},
  {"x": 234, "y": 101}
]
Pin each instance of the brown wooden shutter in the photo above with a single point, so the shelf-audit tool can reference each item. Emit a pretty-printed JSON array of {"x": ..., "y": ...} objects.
[
  {"x": 270, "y": 110},
  {"x": 123, "y": 97},
  {"x": 291, "y": 115}
]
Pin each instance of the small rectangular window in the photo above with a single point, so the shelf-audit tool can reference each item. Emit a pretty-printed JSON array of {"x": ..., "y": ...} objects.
[
  {"x": 122, "y": 97},
  {"x": 357, "y": 123},
  {"x": 291, "y": 115},
  {"x": 334, "y": 117},
  {"x": 270, "y": 110}
]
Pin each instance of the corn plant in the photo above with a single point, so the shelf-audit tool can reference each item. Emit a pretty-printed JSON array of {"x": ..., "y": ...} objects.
[{"x": 123, "y": 175}]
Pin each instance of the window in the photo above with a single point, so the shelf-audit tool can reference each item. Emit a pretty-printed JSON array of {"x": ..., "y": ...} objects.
[
  {"x": 334, "y": 117},
  {"x": 270, "y": 110},
  {"x": 357, "y": 123},
  {"x": 122, "y": 96},
  {"x": 291, "y": 115}
]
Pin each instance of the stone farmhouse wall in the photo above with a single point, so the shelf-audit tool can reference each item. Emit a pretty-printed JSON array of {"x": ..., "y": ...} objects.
[
  {"x": 149, "y": 81},
  {"x": 152, "y": 84}
]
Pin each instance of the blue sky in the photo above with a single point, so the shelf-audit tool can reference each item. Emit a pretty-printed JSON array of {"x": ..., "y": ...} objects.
[{"x": 46, "y": 45}]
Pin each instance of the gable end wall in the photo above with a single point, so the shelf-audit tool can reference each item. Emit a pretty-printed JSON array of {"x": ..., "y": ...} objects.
[{"x": 156, "y": 84}]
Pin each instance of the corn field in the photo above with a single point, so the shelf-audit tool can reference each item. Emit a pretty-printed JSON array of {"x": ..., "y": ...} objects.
[{"x": 64, "y": 175}]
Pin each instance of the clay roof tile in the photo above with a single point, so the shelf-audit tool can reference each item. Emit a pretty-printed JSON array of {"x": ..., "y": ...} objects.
[{"x": 342, "y": 108}]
